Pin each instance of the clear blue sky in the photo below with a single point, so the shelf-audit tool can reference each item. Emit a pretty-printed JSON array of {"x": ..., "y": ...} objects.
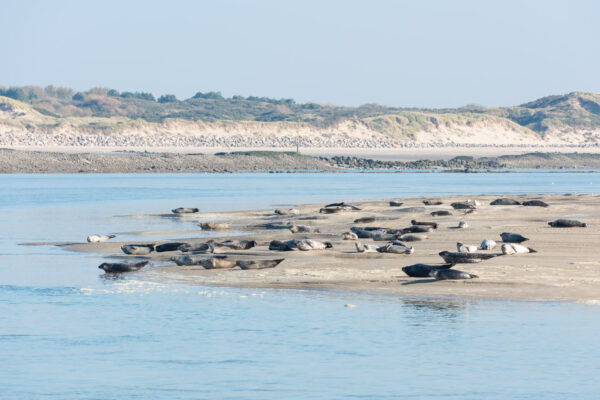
[{"x": 398, "y": 53}]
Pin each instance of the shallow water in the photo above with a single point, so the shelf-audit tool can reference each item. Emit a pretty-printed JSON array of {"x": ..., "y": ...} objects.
[{"x": 67, "y": 332}]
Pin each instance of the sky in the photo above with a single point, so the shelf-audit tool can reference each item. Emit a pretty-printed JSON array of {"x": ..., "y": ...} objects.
[{"x": 421, "y": 53}]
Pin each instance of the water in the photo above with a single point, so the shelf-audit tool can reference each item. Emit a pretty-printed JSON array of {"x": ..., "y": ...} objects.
[{"x": 66, "y": 332}]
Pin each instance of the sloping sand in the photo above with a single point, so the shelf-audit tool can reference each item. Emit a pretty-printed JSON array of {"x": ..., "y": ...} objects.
[{"x": 565, "y": 268}]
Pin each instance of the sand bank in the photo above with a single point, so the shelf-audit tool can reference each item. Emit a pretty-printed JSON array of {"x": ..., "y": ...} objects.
[{"x": 566, "y": 266}]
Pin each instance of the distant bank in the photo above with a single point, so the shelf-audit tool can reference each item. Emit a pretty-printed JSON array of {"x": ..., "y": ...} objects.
[{"x": 28, "y": 161}]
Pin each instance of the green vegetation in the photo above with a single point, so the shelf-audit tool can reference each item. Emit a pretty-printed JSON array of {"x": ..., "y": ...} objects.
[{"x": 574, "y": 110}]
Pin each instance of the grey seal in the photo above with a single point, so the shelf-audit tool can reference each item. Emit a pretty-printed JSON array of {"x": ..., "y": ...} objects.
[
  {"x": 463, "y": 205},
  {"x": 535, "y": 203},
  {"x": 259, "y": 264},
  {"x": 396, "y": 248},
  {"x": 115, "y": 268},
  {"x": 440, "y": 213},
  {"x": 218, "y": 262},
  {"x": 137, "y": 249},
  {"x": 417, "y": 229},
  {"x": 214, "y": 226},
  {"x": 434, "y": 225},
  {"x": 234, "y": 244},
  {"x": 365, "y": 248},
  {"x": 504, "y": 202},
  {"x": 99, "y": 238},
  {"x": 450, "y": 274},
  {"x": 364, "y": 220},
  {"x": 464, "y": 258},
  {"x": 187, "y": 259},
  {"x": 423, "y": 270},
  {"x": 432, "y": 202},
  {"x": 197, "y": 247},
  {"x": 171, "y": 246},
  {"x": 343, "y": 206},
  {"x": 487, "y": 244},
  {"x": 508, "y": 237},
  {"x": 303, "y": 229},
  {"x": 291, "y": 211},
  {"x": 394, "y": 203},
  {"x": 465, "y": 248},
  {"x": 299, "y": 244},
  {"x": 349, "y": 236},
  {"x": 412, "y": 237},
  {"x": 515, "y": 248},
  {"x": 567, "y": 223},
  {"x": 184, "y": 210}
]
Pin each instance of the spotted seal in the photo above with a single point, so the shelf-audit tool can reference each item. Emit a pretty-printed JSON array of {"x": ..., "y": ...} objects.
[
  {"x": 450, "y": 274},
  {"x": 259, "y": 264},
  {"x": 137, "y": 249},
  {"x": 567, "y": 223},
  {"x": 423, "y": 270},
  {"x": 115, "y": 268},
  {"x": 508, "y": 237}
]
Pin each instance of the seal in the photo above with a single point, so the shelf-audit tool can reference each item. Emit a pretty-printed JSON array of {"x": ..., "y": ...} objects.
[
  {"x": 187, "y": 259},
  {"x": 343, "y": 206},
  {"x": 412, "y": 237},
  {"x": 99, "y": 238},
  {"x": 365, "y": 248},
  {"x": 434, "y": 225},
  {"x": 463, "y": 205},
  {"x": 462, "y": 225},
  {"x": 515, "y": 248},
  {"x": 504, "y": 202},
  {"x": 464, "y": 258},
  {"x": 535, "y": 203},
  {"x": 299, "y": 244},
  {"x": 349, "y": 236},
  {"x": 171, "y": 246},
  {"x": 464, "y": 248},
  {"x": 259, "y": 264},
  {"x": 396, "y": 248},
  {"x": 382, "y": 236},
  {"x": 487, "y": 244},
  {"x": 137, "y": 249},
  {"x": 197, "y": 247},
  {"x": 567, "y": 223},
  {"x": 440, "y": 213},
  {"x": 394, "y": 203},
  {"x": 508, "y": 237},
  {"x": 364, "y": 220},
  {"x": 290, "y": 211},
  {"x": 417, "y": 229},
  {"x": 303, "y": 229},
  {"x": 184, "y": 210},
  {"x": 116, "y": 268},
  {"x": 432, "y": 202},
  {"x": 423, "y": 270},
  {"x": 234, "y": 244},
  {"x": 214, "y": 226},
  {"x": 217, "y": 262},
  {"x": 450, "y": 274}
]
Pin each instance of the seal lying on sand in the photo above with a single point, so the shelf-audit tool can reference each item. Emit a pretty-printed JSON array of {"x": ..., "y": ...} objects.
[
  {"x": 417, "y": 229},
  {"x": 137, "y": 249},
  {"x": 395, "y": 203},
  {"x": 464, "y": 248},
  {"x": 303, "y": 229},
  {"x": 99, "y": 238},
  {"x": 187, "y": 259},
  {"x": 508, "y": 237},
  {"x": 184, "y": 210},
  {"x": 515, "y": 248},
  {"x": 364, "y": 220},
  {"x": 412, "y": 237},
  {"x": 504, "y": 202},
  {"x": 365, "y": 248},
  {"x": 217, "y": 262},
  {"x": 487, "y": 244},
  {"x": 432, "y": 202},
  {"x": 259, "y": 264},
  {"x": 567, "y": 223},
  {"x": 423, "y": 270},
  {"x": 171, "y": 246},
  {"x": 463, "y": 205},
  {"x": 349, "y": 236},
  {"x": 343, "y": 206},
  {"x": 299, "y": 244},
  {"x": 434, "y": 225},
  {"x": 214, "y": 226},
  {"x": 291, "y": 211},
  {"x": 440, "y": 213},
  {"x": 396, "y": 248},
  {"x": 234, "y": 244},
  {"x": 197, "y": 247},
  {"x": 450, "y": 274},
  {"x": 464, "y": 258},
  {"x": 535, "y": 203},
  {"x": 115, "y": 268}
]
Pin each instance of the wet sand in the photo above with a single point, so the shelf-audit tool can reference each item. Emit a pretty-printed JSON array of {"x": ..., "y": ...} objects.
[{"x": 566, "y": 266}]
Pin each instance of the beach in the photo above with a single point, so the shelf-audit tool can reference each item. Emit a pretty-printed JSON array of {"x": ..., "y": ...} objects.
[{"x": 564, "y": 268}]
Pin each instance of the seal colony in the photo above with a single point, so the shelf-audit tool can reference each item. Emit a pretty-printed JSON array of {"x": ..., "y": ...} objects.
[{"x": 502, "y": 252}]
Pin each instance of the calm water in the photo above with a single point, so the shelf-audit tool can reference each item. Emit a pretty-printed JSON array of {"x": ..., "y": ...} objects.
[{"x": 68, "y": 333}]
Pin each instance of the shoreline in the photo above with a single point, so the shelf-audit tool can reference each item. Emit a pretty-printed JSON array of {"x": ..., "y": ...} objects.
[{"x": 564, "y": 268}]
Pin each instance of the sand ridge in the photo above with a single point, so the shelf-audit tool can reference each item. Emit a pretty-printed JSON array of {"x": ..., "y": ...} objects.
[{"x": 566, "y": 266}]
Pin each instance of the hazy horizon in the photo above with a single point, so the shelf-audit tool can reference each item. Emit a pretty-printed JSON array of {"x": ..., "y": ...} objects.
[{"x": 432, "y": 54}]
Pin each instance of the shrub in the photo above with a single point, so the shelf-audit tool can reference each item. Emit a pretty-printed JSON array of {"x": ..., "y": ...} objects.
[
  {"x": 167, "y": 98},
  {"x": 78, "y": 96}
]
